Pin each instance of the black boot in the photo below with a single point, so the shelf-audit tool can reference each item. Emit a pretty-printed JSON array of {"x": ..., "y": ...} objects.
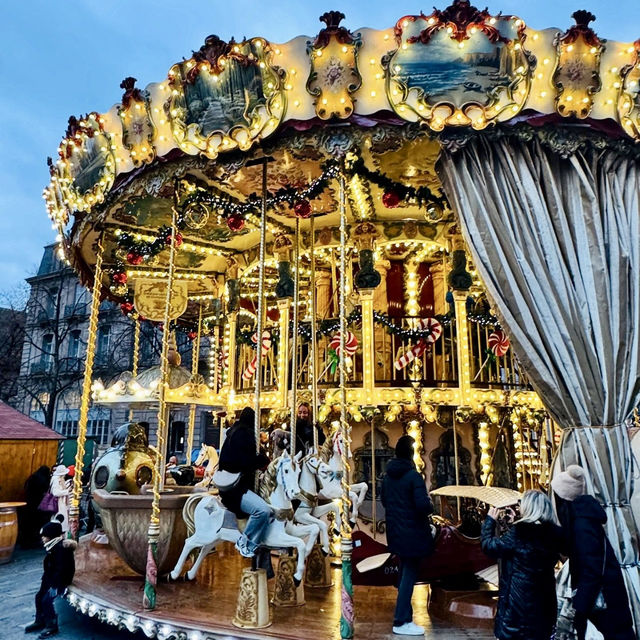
[{"x": 36, "y": 625}]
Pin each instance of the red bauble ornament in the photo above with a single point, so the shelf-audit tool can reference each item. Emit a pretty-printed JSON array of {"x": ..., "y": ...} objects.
[
  {"x": 126, "y": 307},
  {"x": 134, "y": 258},
  {"x": 192, "y": 335},
  {"x": 178, "y": 239},
  {"x": 120, "y": 278},
  {"x": 235, "y": 222},
  {"x": 302, "y": 208},
  {"x": 390, "y": 199}
]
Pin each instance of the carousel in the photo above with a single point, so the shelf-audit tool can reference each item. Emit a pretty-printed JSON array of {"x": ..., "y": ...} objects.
[{"x": 430, "y": 229}]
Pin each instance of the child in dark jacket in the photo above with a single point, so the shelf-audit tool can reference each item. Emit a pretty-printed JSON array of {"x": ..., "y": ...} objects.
[{"x": 59, "y": 567}]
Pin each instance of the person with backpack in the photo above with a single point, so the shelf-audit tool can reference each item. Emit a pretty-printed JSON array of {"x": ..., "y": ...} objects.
[
  {"x": 528, "y": 553},
  {"x": 59, "y": 568}
]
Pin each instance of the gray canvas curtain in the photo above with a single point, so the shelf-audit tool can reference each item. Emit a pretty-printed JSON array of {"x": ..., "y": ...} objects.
[{"x": 557, "y": 243}]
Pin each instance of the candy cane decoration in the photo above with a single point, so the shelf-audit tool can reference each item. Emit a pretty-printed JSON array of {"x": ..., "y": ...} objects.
[
  {"x": 421, "y": 346},
  {"x": 498, "y": 343},
  {"x": 350, "y": 343},
  {"x": 264, "y": 349}
]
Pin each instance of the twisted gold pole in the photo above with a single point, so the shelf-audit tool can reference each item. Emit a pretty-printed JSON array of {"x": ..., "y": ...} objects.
[
  {"x": 347, "y": 616},
  {"x": 136, "y": 354},
  {"x": 74, "y": 507},
  {"x": 151, "y": 577},
  {"x": 294, "y": 341},
  {"x": 314, "y": 337},
  {"x": 195, "y": 353}
]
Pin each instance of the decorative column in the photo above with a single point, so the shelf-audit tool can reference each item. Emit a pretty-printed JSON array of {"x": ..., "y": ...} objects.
[
  {"x": 233, "y": 300},
  {"x": 437, "y": 271},
  {"x": 382, "y": 339},
  {"x": 323, "y": 293},
  {"x": 195, "y": 354},
  {"x": 74, "y": 507},
  {"x": 368, "y": 344}
]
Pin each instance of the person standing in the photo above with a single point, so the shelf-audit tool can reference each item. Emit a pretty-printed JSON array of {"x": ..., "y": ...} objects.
[
  {"x": 59, "y": 567},
  {"x": 408, "y": 507},
  {"x": 528, "y": 551},
  {"x": 305, "y": 429},
  {"x": 593, "y": 565},
  {"x": 32, "y": 518},
  {"x": 239, "y": 457}
]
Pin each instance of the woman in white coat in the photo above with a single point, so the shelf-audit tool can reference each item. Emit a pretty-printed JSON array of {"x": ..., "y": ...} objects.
[{"x": 60, "y": 489}]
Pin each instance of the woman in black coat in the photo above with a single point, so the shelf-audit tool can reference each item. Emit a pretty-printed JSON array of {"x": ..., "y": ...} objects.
[
  {"x": 592, "y": 562},
  {"x": 407, "y": 509},
  {"x": 529, "y": 550}
]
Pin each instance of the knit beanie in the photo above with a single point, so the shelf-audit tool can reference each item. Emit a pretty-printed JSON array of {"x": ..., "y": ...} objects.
[
  {"x": 569, "y": 484},
  {"x": 51, "y": 530}
]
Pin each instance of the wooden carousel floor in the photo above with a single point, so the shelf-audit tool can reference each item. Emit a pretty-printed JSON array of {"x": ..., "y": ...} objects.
[{"x": 104, "y": 583}]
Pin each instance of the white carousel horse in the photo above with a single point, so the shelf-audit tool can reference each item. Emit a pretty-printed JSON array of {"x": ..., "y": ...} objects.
[
  {"x": 331, "y": 453},
  {"x": 315, "y": 475},
  {"x": 211, "y": 523},
  {"x": 209, "y": 455}
]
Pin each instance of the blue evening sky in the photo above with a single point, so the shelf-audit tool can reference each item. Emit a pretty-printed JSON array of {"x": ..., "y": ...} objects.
[{"x": 64, "y": 57}]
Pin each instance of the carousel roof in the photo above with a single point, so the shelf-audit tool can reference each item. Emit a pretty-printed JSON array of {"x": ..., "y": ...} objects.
[{"x": 374, "y": 106}]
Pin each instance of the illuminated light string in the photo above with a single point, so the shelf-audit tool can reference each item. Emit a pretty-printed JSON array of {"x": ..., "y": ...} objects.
[{"x": 250, "y": 209}]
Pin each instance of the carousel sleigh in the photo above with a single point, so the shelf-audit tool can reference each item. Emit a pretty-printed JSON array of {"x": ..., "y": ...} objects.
[{"x": 456, "y": 553}]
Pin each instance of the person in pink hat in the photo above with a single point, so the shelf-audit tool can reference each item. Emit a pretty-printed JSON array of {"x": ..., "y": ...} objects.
[{"x": 596, "y": 577}]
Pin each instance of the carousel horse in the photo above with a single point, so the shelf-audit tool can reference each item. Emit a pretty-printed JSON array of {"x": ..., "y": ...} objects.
[
  {"x": 209, "y": 455},
  {"x": 316, "y": 475},
  {"x": 209, "y": 522},
  {"x": 331, "y": 453}
]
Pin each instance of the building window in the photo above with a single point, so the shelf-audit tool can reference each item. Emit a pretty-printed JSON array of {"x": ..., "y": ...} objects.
[
  {"x": 52, "y": 302},
  {"x": 74, "y": 343},
  {"x": 98, "y": 430},
  {"x": 47, "y": 353},
  {"x": 104, "y": 334},
  {"x": 67, "y": 428}
]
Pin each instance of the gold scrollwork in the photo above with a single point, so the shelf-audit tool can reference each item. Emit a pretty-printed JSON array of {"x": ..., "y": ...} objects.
[
  {"x": 226, "y": 96},
  {"x": 577, "y": 74},
  {"x": 138, "y": 131},
  {"x": 629, "y": 99},
  {"x": 334, "y": 74},
  {"x": 460, "y": 67}
]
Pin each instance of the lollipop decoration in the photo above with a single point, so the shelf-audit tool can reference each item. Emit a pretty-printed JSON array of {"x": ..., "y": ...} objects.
[
  {"x": 420, "y": 347},
  {"x": 350, "y": 347},
  {"x": 497, "y": 347},
  {"x": 264, "y": 349},
  {"x": 498, "y": 343}
]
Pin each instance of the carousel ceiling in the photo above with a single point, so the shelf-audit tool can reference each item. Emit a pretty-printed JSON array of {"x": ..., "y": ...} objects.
[{"x": 368, "y": 105}]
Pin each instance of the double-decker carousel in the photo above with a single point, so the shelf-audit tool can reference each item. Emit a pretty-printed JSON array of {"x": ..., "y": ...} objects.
[{"x": 381, "y": 224}]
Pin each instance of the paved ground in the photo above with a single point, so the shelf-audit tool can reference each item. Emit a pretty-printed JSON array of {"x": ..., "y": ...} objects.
[{"x": 19, "y": 581}]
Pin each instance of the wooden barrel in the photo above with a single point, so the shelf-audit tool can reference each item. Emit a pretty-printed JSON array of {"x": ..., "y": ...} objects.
[{"x": 8, "y": 529}]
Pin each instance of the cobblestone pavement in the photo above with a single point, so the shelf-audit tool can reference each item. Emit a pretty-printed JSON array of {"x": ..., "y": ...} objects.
[{"x": 20, "y": 579}]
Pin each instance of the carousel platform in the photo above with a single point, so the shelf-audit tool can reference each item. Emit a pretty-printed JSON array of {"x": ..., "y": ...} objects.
[{"x": 106, "y": 588}]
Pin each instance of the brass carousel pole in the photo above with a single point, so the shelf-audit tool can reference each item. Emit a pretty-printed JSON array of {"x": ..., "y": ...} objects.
[
  {"x": 347, "y": 609},
  {"x": 136, "y": 354},
  {"x": 151, "y": 576},
  {"x": 74, "y": 507},
  {"x": 294, "y": 343},
  {"x": 195, "y": 353},
  {"x": 314, "y": 337},
  {"x": 260, "y": 310}
]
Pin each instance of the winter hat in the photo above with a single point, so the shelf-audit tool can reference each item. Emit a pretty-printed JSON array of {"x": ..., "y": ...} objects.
[
  {"x": 404, "y": 448},
  {"x": 51, "y": 530},
  {"x": 71, "y": 470},
  {"x": 60, "y": 470},
  {"x": 570, "y": 484}
]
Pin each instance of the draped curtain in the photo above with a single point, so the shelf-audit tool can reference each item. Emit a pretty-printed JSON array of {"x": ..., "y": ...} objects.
[{"x": 557, "y": 243}]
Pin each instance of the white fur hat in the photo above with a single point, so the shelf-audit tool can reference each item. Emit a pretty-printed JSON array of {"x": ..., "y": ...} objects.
[
  {"x": 570, "y": 484},
  {"x": 60, "y": 470}
]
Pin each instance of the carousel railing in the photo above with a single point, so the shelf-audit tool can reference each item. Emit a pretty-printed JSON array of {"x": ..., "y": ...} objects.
[
  {"x": 267, "y": 367},
  {"x": 489, "y": 369},
  {"x": 436, "y": 366}
]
